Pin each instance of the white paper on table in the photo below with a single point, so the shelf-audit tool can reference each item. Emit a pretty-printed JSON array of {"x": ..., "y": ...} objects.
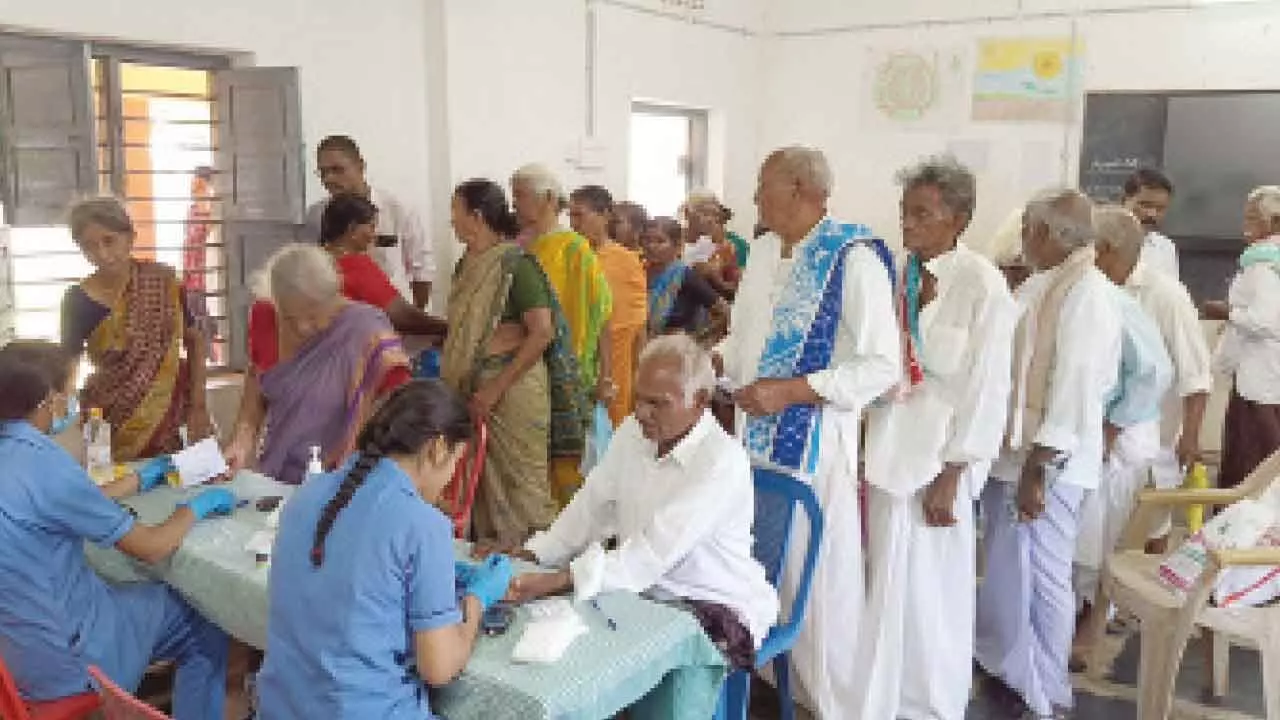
[
  {"x": 545, "y": 641},
  {"x": 200, "y": 463},
  {"x": 261, "y": 543}
]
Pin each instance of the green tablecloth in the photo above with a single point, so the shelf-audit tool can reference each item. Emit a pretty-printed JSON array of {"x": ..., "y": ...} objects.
[{"x": 658, "y": 656}]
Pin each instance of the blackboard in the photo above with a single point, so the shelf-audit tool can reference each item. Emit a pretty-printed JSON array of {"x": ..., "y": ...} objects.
[{"x": 1122, "y": 132}]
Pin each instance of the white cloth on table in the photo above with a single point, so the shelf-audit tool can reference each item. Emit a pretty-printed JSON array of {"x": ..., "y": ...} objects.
[
  {"x": 683, "y": 522},
  {"x": 866, "y": 361},
  {"x": 917, "y": 648},
  {"x": 1026, "y": 610},
  {"x": 1159, "y": 252},
  {"x": 410, "y": 260},
  {"x": 1250, "y": 346}
]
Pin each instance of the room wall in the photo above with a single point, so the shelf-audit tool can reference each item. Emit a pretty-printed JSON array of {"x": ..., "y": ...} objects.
[
  {"x": 1129, "y": 45},
  {"x": 362, "y": 73}
]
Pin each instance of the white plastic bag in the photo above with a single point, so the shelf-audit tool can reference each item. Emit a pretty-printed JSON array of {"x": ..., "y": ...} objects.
[{"x": 597, "y": 439}]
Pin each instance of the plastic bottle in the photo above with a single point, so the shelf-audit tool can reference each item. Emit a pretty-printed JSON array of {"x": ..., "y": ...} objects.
[
  {"x": 97, "y": 448},
  {"x": 1197, "y": 479},
  {"x": 314, "y": 465}
]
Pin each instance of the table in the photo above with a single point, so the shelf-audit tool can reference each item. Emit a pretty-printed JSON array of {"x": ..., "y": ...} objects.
[{"x": 658, "y": 661}]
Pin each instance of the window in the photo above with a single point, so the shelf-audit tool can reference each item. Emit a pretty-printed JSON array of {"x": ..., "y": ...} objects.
[
  {"x": 667, "y": 156},
  {"x": 207, "y": 158}
]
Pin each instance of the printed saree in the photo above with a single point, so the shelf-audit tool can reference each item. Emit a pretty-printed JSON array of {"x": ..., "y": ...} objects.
[
  {"x": 526, "y": 427},
  {"x": 140, "y": 378},
  {"x": 582, "y": 291},
  {"x": 663, "y": 292},
  {"x": 323, "y": 395}
]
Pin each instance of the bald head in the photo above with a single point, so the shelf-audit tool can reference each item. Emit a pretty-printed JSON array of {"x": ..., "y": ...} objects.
[{"x": 1119, "y": 241}]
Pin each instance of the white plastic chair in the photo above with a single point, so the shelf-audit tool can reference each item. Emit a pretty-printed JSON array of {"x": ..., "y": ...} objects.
[{"x": 1169, "y": 619}]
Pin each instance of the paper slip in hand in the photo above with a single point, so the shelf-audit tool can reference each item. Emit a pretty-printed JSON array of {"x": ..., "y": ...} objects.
[{"x": 200, "y": 463}]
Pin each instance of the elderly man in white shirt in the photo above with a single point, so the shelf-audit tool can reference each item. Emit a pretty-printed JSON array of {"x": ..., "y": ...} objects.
[
  {"x": 1250, "y": 347},
  {"x": 813, "y": 341},
  {"x": 1147, "y": 194},
  {"x": 403, "y": 251},
  {"x": 928, "y": 453},
  {"x": 677, "y": 492},
  {"x": 1066, "y": 361}
]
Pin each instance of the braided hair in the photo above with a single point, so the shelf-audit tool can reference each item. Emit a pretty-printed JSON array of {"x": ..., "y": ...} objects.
[{"x": 415, "y": 414}]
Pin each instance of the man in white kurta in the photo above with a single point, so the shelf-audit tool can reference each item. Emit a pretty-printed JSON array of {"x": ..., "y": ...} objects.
[
  {"x": 864, "y": 361},
  {"x": 1148, "y": 194},
  {"x": 1066, "y": 359},
  {"x": 928, "y": 453}
]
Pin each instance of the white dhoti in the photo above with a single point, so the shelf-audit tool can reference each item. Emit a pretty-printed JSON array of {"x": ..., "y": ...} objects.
[
  {"x": 1105, "y": 511},
  {"x": 1026, "y": 609},
  {"x": 916, "y": 653}
]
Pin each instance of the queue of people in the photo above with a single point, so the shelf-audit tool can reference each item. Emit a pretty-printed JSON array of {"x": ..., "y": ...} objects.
[{"x": 1046, "y": 395}]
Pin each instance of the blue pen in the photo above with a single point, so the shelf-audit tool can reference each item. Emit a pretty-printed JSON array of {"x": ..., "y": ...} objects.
[{"x": 607, "y": 620}]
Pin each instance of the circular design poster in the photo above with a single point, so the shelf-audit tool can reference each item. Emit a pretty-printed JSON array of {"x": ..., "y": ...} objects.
[{"x": 906, "y": 86}]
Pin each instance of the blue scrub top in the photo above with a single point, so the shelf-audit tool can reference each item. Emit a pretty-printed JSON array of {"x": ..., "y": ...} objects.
[
  {"x": 50, "y": 599},
  {"x": 340, "y": 636}
]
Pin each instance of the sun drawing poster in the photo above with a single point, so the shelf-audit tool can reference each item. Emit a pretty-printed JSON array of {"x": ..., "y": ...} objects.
[{"x": 1025, "y": 79}]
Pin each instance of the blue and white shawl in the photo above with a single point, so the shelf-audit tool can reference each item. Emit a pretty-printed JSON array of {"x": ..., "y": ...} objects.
[{"x": 802, "y": 341}]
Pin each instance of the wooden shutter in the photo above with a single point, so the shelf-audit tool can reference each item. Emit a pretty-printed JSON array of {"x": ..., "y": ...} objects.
[
  {"x": 46, "y": 129},
  {"x": 261, "y": 180}
]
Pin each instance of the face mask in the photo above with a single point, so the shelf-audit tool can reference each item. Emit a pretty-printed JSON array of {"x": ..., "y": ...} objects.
[{"x": 61, "y": 424}]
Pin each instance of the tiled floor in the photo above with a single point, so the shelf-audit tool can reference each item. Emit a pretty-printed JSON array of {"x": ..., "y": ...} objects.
[{"x": 1115, "y": 697}]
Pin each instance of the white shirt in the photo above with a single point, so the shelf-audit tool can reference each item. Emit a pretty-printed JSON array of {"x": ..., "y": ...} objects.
[
  {"x": 1250, "y": 346},
  {"x": 1167, "y": 302},
  {"x": 1159, "y": 253},
  {"x": 957, "y": 415},
  {"x": 410, "y": 260},
  {"x": 1086, "y": 365},
  {"x": 683, "y": 522}
]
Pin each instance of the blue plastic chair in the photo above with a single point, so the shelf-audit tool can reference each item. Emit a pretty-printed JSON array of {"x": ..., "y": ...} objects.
[{"x": 777, "y": 496}]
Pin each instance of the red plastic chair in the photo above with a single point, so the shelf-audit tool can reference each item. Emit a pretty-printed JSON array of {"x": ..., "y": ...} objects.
[
  {"x": 460, "y": 494},
  {"x": 13, "y": 707},
  {"x": 120, "y": 704}
]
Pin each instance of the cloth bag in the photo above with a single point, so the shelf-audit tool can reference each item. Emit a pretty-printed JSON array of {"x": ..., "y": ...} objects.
[{"x": 1245, "y": 524}]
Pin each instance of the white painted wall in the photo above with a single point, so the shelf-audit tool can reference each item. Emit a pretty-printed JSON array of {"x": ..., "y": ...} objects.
[
  {"x": 819, "y": 70},
  {"x": 362, "y": 73}
]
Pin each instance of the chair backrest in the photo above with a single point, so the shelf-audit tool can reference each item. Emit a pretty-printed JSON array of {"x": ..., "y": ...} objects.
[
  {"x": 461, "y": 491},
  {"x": 11, "y": 705},
  {"x": 118, "y": 703},
  {"x": 777, "y": 496}
]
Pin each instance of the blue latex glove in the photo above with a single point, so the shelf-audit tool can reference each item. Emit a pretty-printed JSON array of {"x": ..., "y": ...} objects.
[
  {"x": 464, "y": 573},
  {"x": 153, "y": 472},
  {"x": 211, "y": 501},
  {"x": 490, "y": 580}
]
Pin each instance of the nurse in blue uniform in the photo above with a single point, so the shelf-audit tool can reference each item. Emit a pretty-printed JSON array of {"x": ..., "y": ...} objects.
[
  {"x": 365, "y": 609},
  {"x": 57, "y": 617}
]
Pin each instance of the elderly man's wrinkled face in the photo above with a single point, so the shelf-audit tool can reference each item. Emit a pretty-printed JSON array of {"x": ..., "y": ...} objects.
[
  {"x": 1256, "y": 225},
  {"x": 661, "y": 409},
  {"x": 777, "y": 194},
  {"x": 1149, "y": 205},
  {"x": 929, "y": 227}
]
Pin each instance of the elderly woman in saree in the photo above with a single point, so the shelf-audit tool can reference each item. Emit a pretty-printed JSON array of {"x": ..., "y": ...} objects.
[
  {"x": 147, "y": 352},
  {"x": 680, "y": 298},
  {"x": 319, "y": 365},
  {"x": 580, "y": 289},
  {"x": 502, "y": 326},
  {"x": 590, "y": 213}
]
